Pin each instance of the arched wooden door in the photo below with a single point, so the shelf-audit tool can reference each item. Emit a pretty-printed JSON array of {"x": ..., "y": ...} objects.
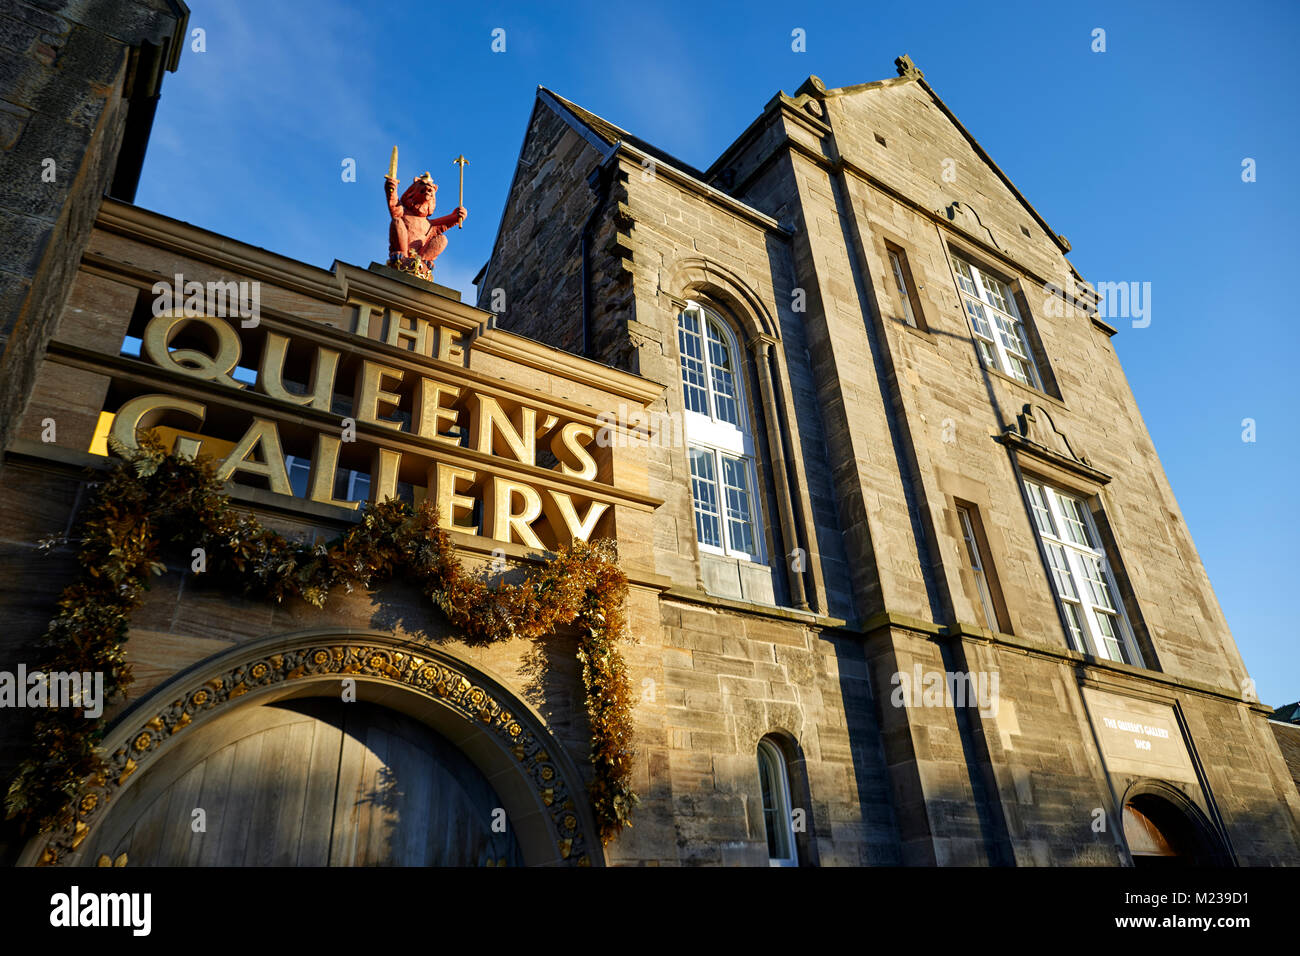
[
  {"x": 310, "y": 782},
  {"x": 1163, "y": 834}
]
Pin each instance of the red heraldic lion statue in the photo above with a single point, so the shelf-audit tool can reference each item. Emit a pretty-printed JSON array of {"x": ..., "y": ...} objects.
[{"x": 414, "y": 239}]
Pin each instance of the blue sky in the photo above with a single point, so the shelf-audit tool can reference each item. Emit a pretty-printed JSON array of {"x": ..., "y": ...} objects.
[{"x": 1134, "y": 154}]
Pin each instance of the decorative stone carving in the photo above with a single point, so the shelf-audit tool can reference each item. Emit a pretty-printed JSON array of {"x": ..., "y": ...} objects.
[
  {"x": 435, "y": 678},
  {"x": 1035, "y": 425},
  {"x": 907, "y": 68},
  {"x": 415, "y": 238},
  {"x": 968, "y": 219}
]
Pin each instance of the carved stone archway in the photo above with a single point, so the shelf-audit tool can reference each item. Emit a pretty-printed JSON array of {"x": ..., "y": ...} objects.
[
  {"x": 541, "y": 789},
  {"x": 1190, "y": 838},
  {"x": 698, "y": 276}
]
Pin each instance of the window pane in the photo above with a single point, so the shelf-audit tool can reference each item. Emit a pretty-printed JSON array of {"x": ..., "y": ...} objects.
[
  {"x": 724, "y": 377},
  {"x": 968, "y": 536},
  {"x": 977, "y": 568},
  {"x": 740, "y": 525},
  {"x": 1093, "y": 613},
  {"x": 997, "y": 294},
  {"x": 1112, "y": 644},
  {"x": 1018, "y": 342},
  {"x": 978, "y": 319},
  {"x": 1098, "y": 583},
  {"x": 994, "y": 316},
  {"x": 1076, "y": 626},
  {"x": 765, "y": 776},
  {"x": 1061, "y": 572},
  {"x": 1042, "y": 513},
  {"x": 964, "y": 277},
  {"x": 1020, "y": 370},
  {"x": 776, "y": 819},
  {"x": 900, "y": 280},
  {"x": 299, "y": 473},
  {"x": 358, "y": 486},
  {"x": 692, "y": 355},
  {"x": 1010, "y": 339},
  {"x": 704, "y": 487},
  {"x": 1076, "y": 525}
]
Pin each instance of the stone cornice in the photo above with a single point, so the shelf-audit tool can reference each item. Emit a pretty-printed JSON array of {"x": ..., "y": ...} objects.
[
  {"x": 77, "y": 463},
  {"x": 710, "y": 194},
  {"x": 1092, "y": 670},
  {"x": 346, "y": 282},
  {"x": 525, "y": 351},
  {"x": 157, "y": 230},
  {"x": 705, "y": 599},
  {"x": 1023, "y": 446}
]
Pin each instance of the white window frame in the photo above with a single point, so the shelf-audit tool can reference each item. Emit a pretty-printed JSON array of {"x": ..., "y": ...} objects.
[
  {"x": 713, "y": 435},
  {"x": 1079, "y": 557},
  {"x": 898, "y": 267},
  {"x": 977, "y": 566},
  {"x": 778, "y": 785},
  {"x": 984, "y": 294}
]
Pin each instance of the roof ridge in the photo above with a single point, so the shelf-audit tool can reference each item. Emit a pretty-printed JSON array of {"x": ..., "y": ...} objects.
[{"x": 612, "y": 133}]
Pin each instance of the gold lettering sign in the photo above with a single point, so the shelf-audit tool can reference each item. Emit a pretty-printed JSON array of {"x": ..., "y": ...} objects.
[
  {"x": 270, "y": 377},
  {"x": 450, "y": 503},
  {"x": 145, "y": 412},
  {"x": 193, "y": 362},
  {"x": 431, "y": 410},
  {"x": 455, "y": 427},
  {"x": 263, "y": 438},
  {"x": 370, "y": 393},
  {"x": 573, "y": 455},
  {"x": 324, "y": 464}
]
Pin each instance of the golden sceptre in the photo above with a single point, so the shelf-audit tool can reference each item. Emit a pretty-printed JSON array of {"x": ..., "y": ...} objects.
[
  {"x": 392, "y": 165},
  {"x": 462, "y": 162}
]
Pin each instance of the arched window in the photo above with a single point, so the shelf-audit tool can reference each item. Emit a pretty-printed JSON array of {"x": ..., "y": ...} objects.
[
  {"x": 719, "y": 440},
  {"x": 777, "y": 819}
]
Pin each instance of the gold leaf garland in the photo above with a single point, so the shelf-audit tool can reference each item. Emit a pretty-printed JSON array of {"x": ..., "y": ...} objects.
[{"x": 152, "y": 500}]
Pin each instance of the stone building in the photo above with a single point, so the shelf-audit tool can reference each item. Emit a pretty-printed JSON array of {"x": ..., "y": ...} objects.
[
  {"x": 932, "y": 440},
  {"x": 907, "y": 583},
  {"x": 80, "y": 83},
  {"x": 1285, "y": 724}
]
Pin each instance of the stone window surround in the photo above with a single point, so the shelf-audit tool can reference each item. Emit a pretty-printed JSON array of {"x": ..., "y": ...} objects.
[
  {"x": 989, "y": 567},
  {"x": 763, "y": 409},
  {"x": 956, "y": 248},
  {"x": 720, "y": 439},
  {"x": 1087, "y": 486},
  {"x": 922, "y": 305},
  {"x": 778, "y": 788},
  {"x": 960, "y": 490}
]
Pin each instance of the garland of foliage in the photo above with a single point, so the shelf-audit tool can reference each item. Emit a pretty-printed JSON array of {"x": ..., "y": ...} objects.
[{"x": 153, "y": 499}]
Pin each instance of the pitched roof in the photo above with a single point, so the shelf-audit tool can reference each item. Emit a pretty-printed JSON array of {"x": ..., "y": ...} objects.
[
  {"x": 1288, "y": 713},
  {"x": 610, "y": 134},
  {"x": 908, "y": 73}
]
